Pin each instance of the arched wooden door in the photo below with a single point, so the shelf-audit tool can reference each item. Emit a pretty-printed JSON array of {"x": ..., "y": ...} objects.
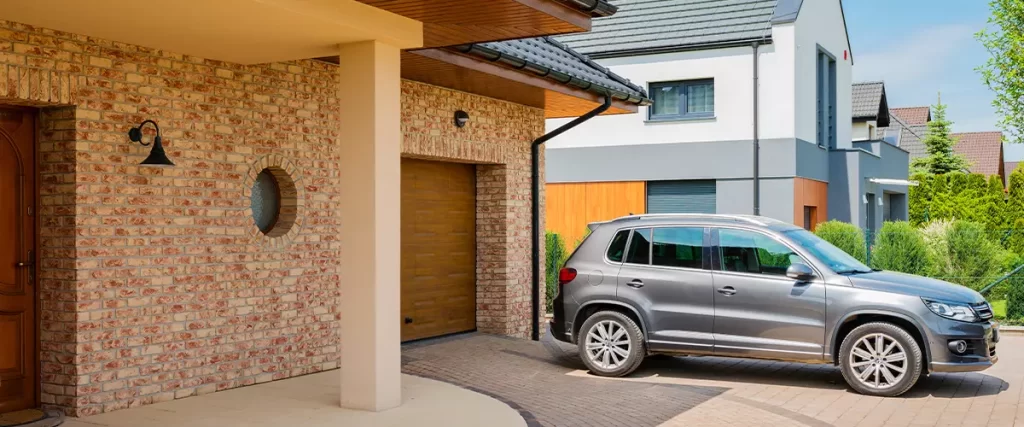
[{"x": 17, "y": 251}]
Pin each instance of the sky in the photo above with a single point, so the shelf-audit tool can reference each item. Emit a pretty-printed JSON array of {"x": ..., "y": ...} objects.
[{"x": 923, "y": 47}]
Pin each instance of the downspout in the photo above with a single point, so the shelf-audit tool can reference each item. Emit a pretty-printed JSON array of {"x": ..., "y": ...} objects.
[
  {"x": 757, "y": 142},
  {"x": 535, "y": 203}
]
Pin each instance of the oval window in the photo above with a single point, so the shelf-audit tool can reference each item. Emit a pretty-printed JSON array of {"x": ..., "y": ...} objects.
[{"x": 266, "y": 201}]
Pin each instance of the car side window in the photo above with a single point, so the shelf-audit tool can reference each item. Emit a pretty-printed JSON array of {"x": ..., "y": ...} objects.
[
  {"x": 618, "y": 246},
  {"x": 749, "y": 252},
  {"x": 678, "y": 247},
  {"x": 640, "y": 247}
]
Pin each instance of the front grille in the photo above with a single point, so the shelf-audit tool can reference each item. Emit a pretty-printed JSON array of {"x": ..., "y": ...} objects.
[{"x": 983, "y": 309}]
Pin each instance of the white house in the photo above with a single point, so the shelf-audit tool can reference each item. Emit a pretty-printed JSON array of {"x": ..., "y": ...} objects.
[{"x": 704, "y": 63}]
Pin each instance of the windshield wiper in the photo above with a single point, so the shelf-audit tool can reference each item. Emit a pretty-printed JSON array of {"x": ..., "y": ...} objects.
[{"x": 854, "y": 271}]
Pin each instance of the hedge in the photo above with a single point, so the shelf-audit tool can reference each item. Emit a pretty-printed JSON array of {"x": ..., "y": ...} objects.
[
  {"x": 845, "y": 236},
  {"x": 901, "y": 247}
]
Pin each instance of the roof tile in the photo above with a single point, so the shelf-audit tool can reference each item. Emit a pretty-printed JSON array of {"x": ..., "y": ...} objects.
[
  {"x": 983, "y": 149},
  {"x": 913, "y": 115},
  {"x": 867, "y": 99},
  {"x": 657, "y": 24}
]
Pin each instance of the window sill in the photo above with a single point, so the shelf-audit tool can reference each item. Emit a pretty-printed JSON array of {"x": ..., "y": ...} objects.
[{"x": 683, "y": 119}]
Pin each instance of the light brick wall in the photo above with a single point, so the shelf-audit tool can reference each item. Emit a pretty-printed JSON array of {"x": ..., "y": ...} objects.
[
  {"x": 498, "y": 138},
  {"x": 155, "y": 283}
]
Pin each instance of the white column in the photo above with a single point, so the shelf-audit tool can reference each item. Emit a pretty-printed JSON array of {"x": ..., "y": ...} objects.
[{"x": 371, "y": 146}]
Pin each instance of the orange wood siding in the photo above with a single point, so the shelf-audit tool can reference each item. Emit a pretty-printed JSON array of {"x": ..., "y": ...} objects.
[
  {"x": 810, "y": 193},
  {"x": 571, "y": 206}
]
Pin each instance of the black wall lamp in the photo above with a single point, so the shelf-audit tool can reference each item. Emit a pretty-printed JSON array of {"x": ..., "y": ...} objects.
[
  {"x": 157, "y": 157},
  {"x": 461, "y": 117}
]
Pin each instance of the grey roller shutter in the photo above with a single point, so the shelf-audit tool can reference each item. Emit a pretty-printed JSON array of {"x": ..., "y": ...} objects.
[{"x": 681, "y": 197}]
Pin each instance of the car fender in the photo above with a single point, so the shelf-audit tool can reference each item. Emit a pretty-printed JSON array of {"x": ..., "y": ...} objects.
[
  {"x": 577, "y": 326},
  {"x": 883, "y": 312}
]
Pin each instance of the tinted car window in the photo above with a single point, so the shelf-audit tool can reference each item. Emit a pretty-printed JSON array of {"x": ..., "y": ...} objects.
[
  {"x": 618, "y": 246},
  {"x": 678, "y": 247},
  {"x": 750, "y": 252},
  {"x": 640, "y": 247}
]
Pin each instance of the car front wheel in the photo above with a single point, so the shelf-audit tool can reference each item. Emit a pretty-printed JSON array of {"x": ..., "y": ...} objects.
[
  {"x": 880, "y": 359},
  {"x": 611, "y": 344}
]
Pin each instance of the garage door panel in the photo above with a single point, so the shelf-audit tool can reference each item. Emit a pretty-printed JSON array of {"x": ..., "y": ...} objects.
[
  {"x": 438, "y": 248},
  {"x": 697, "y": 196}
]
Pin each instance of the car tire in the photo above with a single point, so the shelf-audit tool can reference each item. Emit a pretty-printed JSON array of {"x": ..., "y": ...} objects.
[
  {"x": 880, "y": 359},
  {"x": 611, "y": 344}
]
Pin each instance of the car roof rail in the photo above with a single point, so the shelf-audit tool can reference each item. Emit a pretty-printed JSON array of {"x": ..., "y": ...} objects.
[{"x": 739, "y": 218}]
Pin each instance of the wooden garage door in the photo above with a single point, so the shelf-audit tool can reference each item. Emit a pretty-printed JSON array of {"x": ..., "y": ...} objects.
[{"x": 438, "y": 248}]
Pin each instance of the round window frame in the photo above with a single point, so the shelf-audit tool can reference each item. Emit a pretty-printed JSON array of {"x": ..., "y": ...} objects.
[{"x": 290, "y": 200}]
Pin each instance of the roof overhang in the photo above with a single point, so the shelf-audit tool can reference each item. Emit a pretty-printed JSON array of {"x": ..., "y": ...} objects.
[
  {"x": 240, "y": 31},
  {"x": 452, "y": 69},
  {"x": 897, "y": 182}
]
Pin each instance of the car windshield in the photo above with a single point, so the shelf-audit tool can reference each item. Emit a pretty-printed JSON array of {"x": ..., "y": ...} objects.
[{"x": 837, "y": 260}]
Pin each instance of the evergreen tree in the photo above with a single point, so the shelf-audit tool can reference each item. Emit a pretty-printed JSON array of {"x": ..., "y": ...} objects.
[
  {"x": 1013, "y": 214},
  {"x": 939, "y": 143},
  {"x": 920, "y": 199},
  {"x": 941, "y": 205},
  {"x": 994, "y": 210},
  {"x": 972, "y": 202},
  {"x": 958, "y": 196}
]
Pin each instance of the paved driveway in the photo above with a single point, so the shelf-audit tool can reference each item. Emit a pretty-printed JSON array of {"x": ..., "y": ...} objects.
[{"x": 547, "y": 384}]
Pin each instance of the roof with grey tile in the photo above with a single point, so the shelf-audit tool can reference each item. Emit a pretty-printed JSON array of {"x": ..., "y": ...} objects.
[
  {"x": 910, "y": 137},
  {"x": 548, "y": 58},
  {"x": 984, "y": 150},
  {"x": 869, "y": 102},
  {"x": 646, "y": 26}
]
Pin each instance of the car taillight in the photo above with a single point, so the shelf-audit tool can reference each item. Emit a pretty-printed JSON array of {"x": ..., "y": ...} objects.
[{"x": 566, "y": 275}]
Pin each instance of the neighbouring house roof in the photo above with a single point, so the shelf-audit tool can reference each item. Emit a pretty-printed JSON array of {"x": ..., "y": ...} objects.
[
  {"x": 913, "y": 115},
  {"x": 983, "y": 149},
  {"x": 550, "y": 59},
  {"x": 1009, "y": 168},
  {"x": 910, "y": 137},
  {"x": 651, "y": 26},
  {"x": 869, "y": 103}
]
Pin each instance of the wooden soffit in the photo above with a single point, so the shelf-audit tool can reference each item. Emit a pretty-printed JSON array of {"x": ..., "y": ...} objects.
[
  {"x": 454, "y": 22},
  {"x": 445, "y": 68}
]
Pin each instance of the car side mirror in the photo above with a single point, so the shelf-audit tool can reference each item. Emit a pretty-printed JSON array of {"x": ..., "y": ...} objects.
[{"x": 800, "y": 272}]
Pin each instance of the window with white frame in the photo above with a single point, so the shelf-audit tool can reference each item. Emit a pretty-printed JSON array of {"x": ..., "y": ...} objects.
[{"x": 682, "y": 99}]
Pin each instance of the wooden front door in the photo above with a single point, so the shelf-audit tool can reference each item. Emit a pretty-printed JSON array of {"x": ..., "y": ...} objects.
[
  {"x": 438, "y": 248},
  {"x": 17, "y": 252}
]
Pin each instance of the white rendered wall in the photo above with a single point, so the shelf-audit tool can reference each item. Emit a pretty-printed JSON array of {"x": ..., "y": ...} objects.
[{"x": 820, "y": 23}]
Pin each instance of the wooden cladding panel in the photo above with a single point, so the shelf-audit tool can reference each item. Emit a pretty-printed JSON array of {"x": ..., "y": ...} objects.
[
  {"x": 809, "y": 193},
  {"x": 452, "y": 22},
  {"x": 571, "y": 206}
]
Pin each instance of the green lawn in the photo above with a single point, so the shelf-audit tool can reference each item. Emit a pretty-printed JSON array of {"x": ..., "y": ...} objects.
[{"x": 999, "y": 309}]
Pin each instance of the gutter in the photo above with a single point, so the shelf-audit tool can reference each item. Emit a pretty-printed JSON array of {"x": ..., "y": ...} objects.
[
  {"x": 535, "y": 206},
  {"x": 596, "y": 8},
  {"x": 492, "y": 55}
]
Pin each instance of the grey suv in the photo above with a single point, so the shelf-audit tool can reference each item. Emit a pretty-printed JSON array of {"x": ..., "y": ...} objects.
[{"x": 745, "y": 286}]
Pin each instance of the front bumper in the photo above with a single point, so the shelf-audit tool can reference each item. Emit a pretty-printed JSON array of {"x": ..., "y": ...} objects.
[{"x": 981, "y": 339}]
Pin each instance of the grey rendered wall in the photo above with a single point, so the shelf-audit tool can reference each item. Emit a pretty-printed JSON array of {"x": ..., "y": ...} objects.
[
  {"x": 735, "y": 196},
  {"x": 691, "y": 160},
  {"x": 844, "y": 194},
  {"x": 851, "y": 171}
]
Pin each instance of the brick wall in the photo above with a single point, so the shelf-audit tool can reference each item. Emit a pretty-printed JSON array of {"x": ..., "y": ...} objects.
[
  {"x": 498, "y": 138},
  {"x": 155, "y": 283}
]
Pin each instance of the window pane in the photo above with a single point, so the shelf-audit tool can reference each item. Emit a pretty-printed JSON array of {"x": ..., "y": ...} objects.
[
  {"x": 618, "y": 246},
  {"x": 640, "y": 247},
  {"x": 666, "y": 100},
  {"x": 749, "y": 252},
  {"x": 700, "y": 98},
  {"x": 678, "y": 247}
]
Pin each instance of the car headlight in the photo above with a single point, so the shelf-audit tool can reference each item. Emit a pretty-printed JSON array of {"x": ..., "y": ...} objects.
[{"x": 952, "y": 310}]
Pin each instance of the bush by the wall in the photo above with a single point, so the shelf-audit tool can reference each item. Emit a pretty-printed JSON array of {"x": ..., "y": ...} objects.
[
  {"x": 901, "y": 247},
  {"x": 941, "y": 206},
  {"x": 555, "y": 257},
  {"x": 845, "y": 236},
  {"x": 920, "y": 199},
  {"x": 974, "y": 259}
]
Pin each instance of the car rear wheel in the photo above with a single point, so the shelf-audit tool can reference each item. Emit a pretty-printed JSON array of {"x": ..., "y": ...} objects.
[
  {"x": 611, "y": 344},
  {"x": 880, "y": 359}
]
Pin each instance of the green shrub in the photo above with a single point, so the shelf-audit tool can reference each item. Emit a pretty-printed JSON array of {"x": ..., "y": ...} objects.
[
  {"x": 901, "y": 247},
  {"x": 936, "y": 237},
  {"x": 920, "y": 199},
  {"x": 555, "y": 257},
  {"x": 845, "y": 236},
  {"x": 1015, "y": 298},
  {"x": 974, "y": 259},
  {"x": 941, "y": 206},
  {"x": 993, "y": 210}
]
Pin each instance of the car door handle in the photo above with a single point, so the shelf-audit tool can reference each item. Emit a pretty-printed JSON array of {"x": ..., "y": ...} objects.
[
  {"x": 636, "y": 283},
  {"x": 727, "y": 291}
]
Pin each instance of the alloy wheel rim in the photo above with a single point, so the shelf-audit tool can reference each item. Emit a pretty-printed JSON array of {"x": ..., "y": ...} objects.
[
  {"x": 608, "y": 345},
  {"x": 878, "y": 361}
]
